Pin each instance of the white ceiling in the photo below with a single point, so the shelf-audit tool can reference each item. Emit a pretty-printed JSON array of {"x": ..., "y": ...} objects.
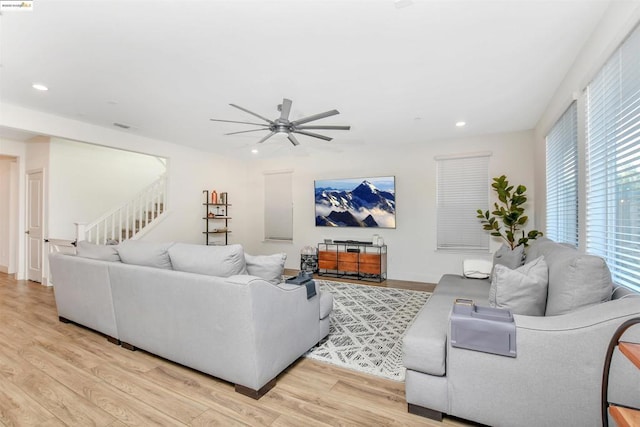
[{"x": 396, "y": 74}]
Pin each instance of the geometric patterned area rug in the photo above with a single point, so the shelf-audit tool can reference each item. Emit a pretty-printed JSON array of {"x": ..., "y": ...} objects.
[{"x": 366, "y": 327}]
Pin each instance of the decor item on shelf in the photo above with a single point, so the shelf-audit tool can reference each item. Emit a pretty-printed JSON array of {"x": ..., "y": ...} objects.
[
  {"x": 510, "y": 212},
  {"x": 284, "y": 126},
  {"x": 223, "y": 198},
  {"x": 211, "y": 215},
  {"x": 356, "y": 202},
  {"x": 214, "y": 197}
]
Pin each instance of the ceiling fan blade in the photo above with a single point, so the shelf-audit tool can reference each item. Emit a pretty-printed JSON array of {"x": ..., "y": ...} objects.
[
  {"x": 245, "y": 131},
  {"x": 327, "y": 127},
  {"x": 252, "y": 113},
  {"x": 233, "y": 121},
  {"x": 315, "y": 135},
  {"x": 285, "y": 109},
  {"x": 293, "y": 139},
  {"x": 315, "y": 117},
  {"x": 266, "y": 137}
]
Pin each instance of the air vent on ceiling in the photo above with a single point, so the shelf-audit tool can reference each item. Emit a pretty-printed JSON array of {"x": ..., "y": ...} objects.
[{"x": 122, "y": 125}]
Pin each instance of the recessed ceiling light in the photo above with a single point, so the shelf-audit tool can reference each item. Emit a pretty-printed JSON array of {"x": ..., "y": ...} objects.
[
  {"x": 461, "y": 124},
  {"x": 39, "y": 86},
  {"x": 254, "y": 151}
]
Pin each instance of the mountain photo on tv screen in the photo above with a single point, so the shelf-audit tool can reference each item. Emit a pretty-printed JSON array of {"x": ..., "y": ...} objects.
[{"x": 356, "y": 202}]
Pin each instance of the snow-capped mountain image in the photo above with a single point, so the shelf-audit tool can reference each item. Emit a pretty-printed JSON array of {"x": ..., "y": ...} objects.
[{"x": 369, "y": 202}]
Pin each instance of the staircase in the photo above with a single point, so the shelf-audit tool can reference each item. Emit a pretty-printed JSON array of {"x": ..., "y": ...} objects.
[{"x": 131, "y": 220}]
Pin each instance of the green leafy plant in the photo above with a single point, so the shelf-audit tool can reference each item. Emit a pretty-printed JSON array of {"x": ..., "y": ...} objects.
[{"x": 509, "y": 214}]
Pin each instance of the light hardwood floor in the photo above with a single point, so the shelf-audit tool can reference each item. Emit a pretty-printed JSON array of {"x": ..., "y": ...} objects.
[{"x": 56, "y": 374}]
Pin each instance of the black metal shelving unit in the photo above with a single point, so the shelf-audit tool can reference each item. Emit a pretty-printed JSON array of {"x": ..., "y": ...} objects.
[{"x": 214, "y": 213}]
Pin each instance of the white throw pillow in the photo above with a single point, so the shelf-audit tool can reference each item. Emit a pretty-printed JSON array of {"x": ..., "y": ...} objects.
[
  {"x": 150, "y": 254},
  {"x": 523, "y": 290},
  {"x": 268, "y": 267},
  {"x": 476, "y": 268},
  {"x": 86, "y": 249},
  {"x": 221, "y": 261}
]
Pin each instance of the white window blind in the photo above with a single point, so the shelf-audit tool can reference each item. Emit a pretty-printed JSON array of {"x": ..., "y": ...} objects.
[
  {"x": 278, "y": 206},
  {"x": 562, "y": 179},
  {"x": 463, "y": 188},
  {"x": 613, "y": 163}
]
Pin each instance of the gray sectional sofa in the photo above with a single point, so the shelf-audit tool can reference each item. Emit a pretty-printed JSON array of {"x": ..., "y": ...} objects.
[
  {"x": 555, "y": 378},
  {"x": 204, "y": 307}
]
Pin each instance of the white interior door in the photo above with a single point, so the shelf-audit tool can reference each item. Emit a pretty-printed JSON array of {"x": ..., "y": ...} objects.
[{"x": 35, "y": 219}]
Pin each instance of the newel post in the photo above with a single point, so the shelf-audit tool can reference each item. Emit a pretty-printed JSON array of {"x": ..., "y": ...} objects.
[{"x": 81, "y": 228}]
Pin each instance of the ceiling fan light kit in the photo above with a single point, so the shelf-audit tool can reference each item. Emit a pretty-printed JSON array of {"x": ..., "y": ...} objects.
[{"x": 286, "y": 127}]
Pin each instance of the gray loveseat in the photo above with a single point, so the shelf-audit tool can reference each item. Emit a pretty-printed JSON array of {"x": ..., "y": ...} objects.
[
  {"x": 555, "y": 378},
  {"x": 196, "y": 305}
]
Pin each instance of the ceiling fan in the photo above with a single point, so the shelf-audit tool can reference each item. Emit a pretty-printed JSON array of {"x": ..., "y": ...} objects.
[{"x": 283, "y": 125}]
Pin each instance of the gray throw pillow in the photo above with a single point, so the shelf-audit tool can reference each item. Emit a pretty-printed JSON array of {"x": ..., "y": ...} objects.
[
  {"x": 149, "y": 254},
  {"x": 268, "y": 267},
  {"x": 86, "y": 249},
  {"x": 523, "y": 290},
  {"x": 221, "y": 261},
  {"x": 512, "y": 258},
  {"x": 576, "y": 280}
]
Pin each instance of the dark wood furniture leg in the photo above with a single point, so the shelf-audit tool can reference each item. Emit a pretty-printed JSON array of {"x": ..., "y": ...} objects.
[
  {"x": 424, "y": 412},
  {"x": 128, "y": 346},
  {"x": 255, "y": 394}
]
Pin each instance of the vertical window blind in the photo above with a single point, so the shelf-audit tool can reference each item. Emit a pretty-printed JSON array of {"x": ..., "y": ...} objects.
[
  {"x": 613, "y": 163},
  {"x": 463, "y": 188},
  {"x": 562, "y": 179},
  {"x": 278, "y": 206}
]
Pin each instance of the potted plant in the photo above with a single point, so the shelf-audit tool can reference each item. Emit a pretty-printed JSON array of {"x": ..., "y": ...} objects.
[{"x": 508, "y": 214}]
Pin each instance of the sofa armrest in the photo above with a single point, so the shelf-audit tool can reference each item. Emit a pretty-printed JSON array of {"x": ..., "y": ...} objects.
[
  {"x": 556, "y": 375},
  {"x": 285, "y": 322}
]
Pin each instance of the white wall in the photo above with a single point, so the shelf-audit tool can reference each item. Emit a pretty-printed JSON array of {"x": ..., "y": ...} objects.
[
  {"x": 89, "y": 180},
  {"x": 412, "y": 243},
  {"x": 618, "y": 21}
]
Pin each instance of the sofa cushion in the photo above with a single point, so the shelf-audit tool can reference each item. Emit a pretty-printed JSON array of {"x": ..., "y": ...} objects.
[
  {"x": 576, "y": 280},
  {"x": 539, "y": 247},
  {"x": 222, "y": 261},
  {"x": 512, "y": 258},
  {"x": 523, "y": 290},
  {"x": 149, "y": 254},
  {"x": 268, "y": 267},
  {"x": 86, "y": 249},
  {"x": 425, "y": 342}
]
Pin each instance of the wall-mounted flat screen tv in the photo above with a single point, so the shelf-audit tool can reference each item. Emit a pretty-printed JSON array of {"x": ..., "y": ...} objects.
[{"x": 356, "y": 202}]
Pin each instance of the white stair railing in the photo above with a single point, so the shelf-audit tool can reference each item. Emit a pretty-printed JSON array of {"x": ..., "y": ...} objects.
[{"x": 127, "y": 221}]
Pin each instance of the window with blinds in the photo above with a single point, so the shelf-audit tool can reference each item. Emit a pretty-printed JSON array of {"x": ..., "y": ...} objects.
[
  {"x": 463, "y": 188},
  {"x": 278, "y": 206},
  {"x": 613, "y": 163},
  {"x": 562, "y": 179}
]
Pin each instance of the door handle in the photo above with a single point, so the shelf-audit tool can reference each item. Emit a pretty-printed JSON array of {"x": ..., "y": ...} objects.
[{"x": 26, "y": 232}]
